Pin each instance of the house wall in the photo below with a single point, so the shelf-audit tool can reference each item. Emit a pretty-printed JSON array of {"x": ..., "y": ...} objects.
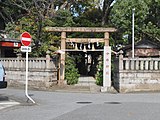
[{"x": 145, "y": 52}]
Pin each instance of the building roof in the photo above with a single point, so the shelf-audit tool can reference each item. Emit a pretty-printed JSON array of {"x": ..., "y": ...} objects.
[
  {"x": 147, "y": 44},
  {"x": 144, "y": 44},
  {"x": 9, "y": 40}
]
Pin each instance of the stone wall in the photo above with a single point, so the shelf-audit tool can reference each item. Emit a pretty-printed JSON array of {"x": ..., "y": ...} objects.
[
  {"x": 137, "y": 81},
  {"x": 42, "y": 72},
  {"x": 138, "y": 74},
  {"x": 41, "y": 78}
]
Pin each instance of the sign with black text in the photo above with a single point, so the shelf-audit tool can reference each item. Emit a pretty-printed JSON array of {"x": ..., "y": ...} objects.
[{"x": 25, "y": 49}]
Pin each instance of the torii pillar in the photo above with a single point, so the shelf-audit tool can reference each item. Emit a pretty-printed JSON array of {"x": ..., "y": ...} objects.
[
  {"x": 62, "y": 59},
  {"x": 106, "y": 38}
]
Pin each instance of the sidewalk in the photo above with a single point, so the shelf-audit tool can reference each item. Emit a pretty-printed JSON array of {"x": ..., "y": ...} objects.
[{"x": 86, "y": 84}]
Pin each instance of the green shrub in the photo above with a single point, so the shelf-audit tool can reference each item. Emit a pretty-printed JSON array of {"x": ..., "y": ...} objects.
[
  {"x": 99, "y": 74},
  {"x": 71, "y": 72}
]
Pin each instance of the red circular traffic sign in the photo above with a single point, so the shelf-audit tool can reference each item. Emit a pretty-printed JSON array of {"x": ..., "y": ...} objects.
[{"x": 26, "y": 38}]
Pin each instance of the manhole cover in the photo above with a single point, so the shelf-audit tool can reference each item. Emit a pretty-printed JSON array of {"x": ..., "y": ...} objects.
[
  {"x": 83, "y": 102},
  {"x": 112, "y": 102}
]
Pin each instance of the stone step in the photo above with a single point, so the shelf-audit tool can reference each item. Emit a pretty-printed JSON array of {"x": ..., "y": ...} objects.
[{"x": 86, "y": 81}]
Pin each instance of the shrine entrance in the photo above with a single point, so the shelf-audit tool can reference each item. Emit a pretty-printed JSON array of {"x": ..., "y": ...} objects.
[
  {"x": 85, "y": 46},
  {"x": 86, "y": 61}
]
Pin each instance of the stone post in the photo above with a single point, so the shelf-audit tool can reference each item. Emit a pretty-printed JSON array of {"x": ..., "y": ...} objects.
[
  {"x": 121, "y": 60},
  {"x": 119, "y": 80},
  {"x": 146, "y": 65},
  {"x": 47, "y": 59},
  {"x": 141, "y": 65},
  {"x": 156, "y": 65},
  {"x": 151, "y": 64},
  {"x": 137, "y": 64},
  {"x": 106, "y": 65},
  {"x": 62, "y": 59},
  {"x": 19, "y": 55}
]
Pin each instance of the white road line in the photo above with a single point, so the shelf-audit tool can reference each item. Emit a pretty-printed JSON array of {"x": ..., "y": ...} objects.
[{"x": 6, "y": 104}]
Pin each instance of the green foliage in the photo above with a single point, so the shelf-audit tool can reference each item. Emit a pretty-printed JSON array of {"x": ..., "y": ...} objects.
[
  {"x": 99, "y": 74},
  {"x": 146, "y": 18},
  {"x": 33, "y": 16},
  {"x": 10, "y": 31},
  {"x": 90, "y": 18},
  {"x": 41, "y": 40},
  {"x": 71, "y": 72},
  {"x": 63, "y": 18},
  {"x": 11, "y": 10}
]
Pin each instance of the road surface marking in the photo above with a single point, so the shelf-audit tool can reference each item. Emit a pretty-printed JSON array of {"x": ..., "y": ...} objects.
[{"x": 6, "y": 104}]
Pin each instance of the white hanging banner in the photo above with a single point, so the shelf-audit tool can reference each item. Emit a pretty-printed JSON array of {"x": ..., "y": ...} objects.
[{"x": 107, "y": 67}]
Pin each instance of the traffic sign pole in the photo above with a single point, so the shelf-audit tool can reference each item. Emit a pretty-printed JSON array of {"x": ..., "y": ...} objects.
[
  {"x": 26, "y": 41},
  {"x": 26, "y": 89}
]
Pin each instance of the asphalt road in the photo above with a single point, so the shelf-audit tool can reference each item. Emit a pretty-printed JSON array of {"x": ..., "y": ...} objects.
[
  {"x": 81, "y": 106},
  {"x": 5, "y": 102}
]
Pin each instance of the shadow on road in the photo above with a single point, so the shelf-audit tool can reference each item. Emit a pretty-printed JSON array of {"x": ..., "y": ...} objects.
[{"x": 3, "y": 98}]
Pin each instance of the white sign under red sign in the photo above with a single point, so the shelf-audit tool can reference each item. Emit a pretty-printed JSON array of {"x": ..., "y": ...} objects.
[{"x": 25, "y": 49}]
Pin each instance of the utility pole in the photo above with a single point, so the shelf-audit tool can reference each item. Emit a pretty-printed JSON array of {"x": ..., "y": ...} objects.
[{"x": 133, "y": 12}]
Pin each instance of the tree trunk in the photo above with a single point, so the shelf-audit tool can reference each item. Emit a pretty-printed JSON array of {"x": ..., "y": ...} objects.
[{"x": 106, "y": 11}]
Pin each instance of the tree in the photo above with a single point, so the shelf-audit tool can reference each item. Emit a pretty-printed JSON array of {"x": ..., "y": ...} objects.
[
  {"x": 39, "y": 14},
  {"x": 71, "y": 72},
  {"x": 11, "y": 10},
  {"x": 152, "y": 22},
  {"x": 95, "y": 12},
  {"x": 145, "y": 25},
  {"x": 107, "y": 7}
]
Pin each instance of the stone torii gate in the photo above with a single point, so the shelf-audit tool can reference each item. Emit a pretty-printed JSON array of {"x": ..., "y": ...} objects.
[{"x": 64, "y": 39}]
